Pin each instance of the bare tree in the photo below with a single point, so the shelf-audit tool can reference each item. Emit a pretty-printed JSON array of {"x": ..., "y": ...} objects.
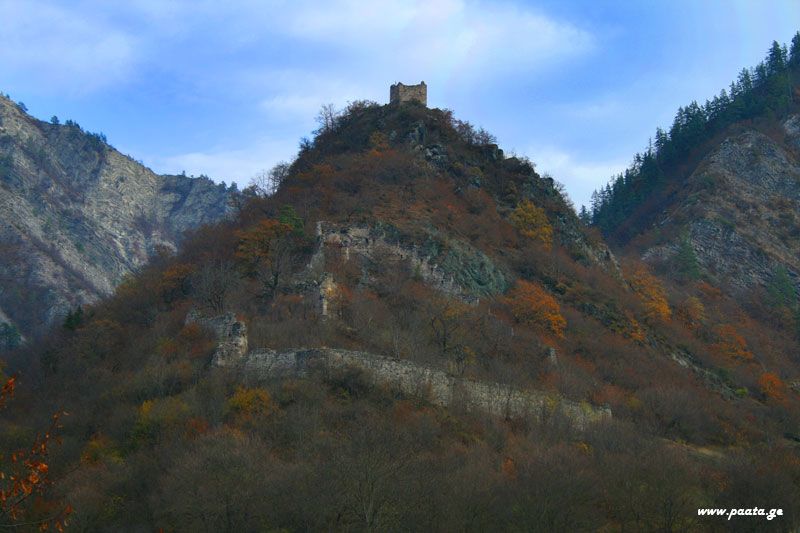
[
  {"x": 267, "y": 182},
  {"x": 328, "y": 118},
  {"x": 213, "y": 283}
]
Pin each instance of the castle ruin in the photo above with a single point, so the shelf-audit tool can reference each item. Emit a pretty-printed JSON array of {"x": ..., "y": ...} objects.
[{"x": 408, "y": 93}]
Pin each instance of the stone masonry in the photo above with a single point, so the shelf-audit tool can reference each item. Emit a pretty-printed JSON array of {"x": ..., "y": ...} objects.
[
  {"x": 438, "y": 386},
  {"x": 399, "y": 93}
]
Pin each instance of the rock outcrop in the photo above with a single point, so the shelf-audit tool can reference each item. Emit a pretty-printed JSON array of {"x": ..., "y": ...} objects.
[
  {"x": 454, "y": 267},
  {"x": 739, "y": 211},
  {"x": 77, "y": 216},
  {"x": 231, "y": 335}
]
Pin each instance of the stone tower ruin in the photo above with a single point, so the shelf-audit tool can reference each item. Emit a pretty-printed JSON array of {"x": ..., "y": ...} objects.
[{"x": 407, "y": 93}]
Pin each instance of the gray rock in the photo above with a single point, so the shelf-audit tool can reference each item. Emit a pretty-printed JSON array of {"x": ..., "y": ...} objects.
[
  {"x": 452, "y": 266},
  {"x": 77, "y": 216},
  {"x": 739, "y": 211},
  {"x": 231, "y": 335}
]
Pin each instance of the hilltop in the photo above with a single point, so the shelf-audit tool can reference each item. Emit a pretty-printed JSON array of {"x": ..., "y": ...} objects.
[{"x": 413, "y": 330}]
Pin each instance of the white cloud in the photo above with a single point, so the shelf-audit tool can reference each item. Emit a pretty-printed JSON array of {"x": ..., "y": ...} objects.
[
  {"x": 581, "y": 176},
  {"x": 284, "y": 58},
  {"x": 298, "y": 95},
  {"x": 64, "y": 50},
  {"x": 449, "y": 37},
  {"x": 594, "y": 110},
  {"x": 231, "y": 165},
  {"x": 447, "y": 43}
]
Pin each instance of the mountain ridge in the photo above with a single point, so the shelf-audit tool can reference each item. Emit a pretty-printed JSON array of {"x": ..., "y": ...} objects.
[{"x": 77, "y": 216}]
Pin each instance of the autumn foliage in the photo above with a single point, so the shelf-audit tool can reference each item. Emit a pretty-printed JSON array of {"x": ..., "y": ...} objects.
[
  {"x": 248, "y": 403},
  {"x": 265, "y": 252},
  {"x": 772, "y": 386},
  {"x": 531, "y": 221},
  {"x": 692, "y": 312},
  {"x": 731, "y": 344},
  {"x": 652, "y": 294},
  {"x": 24, "y": 480},
  {"x": 531, "y": 304},
  {"x": 174, "y": 282}
]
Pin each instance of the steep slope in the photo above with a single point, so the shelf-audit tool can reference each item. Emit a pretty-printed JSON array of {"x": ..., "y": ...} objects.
[
  {"x": 413, "y": 333},
  {"x": 716, "y": 196},
  {"x": 77, "y": 216},
  {"x": 738, "y": 210}
]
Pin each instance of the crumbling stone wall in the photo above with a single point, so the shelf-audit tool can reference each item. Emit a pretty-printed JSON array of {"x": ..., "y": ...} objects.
[
  {"x": 231, "y": 334},
  {"x": 439, "y": 387},
  {"x": 436, "y": 385},
  {"x": 407, "y": 93}
]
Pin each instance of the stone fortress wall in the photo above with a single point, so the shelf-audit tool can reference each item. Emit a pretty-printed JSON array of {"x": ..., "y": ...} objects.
[
  {"x": 436, "y": 385},
  {"x": 399, "y": 93}
]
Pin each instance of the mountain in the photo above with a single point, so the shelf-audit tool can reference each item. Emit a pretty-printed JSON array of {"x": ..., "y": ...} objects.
[
  {"x": 737, "y": 213},
  {"x": 77, "y": 217},
  {"x": 717, "y": 195},
  {"x": 415, "y": 331}
]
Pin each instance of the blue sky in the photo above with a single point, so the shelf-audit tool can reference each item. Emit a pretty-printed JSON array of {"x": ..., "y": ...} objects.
[{"x": 228, "y": 88}]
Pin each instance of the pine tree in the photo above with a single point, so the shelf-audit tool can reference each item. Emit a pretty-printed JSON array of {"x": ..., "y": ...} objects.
[
  {"x": 780, "y": 289},
  {"x": 776, "y": 59},
  {"x": 686, "y": 263},
  {"x": 584, "y": 216},
  {"x": 794, "y": 50}
]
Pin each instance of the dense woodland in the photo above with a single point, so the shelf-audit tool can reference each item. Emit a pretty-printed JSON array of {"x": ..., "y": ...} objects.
[
  {"x": 629, "y": 202},
  {"x": 118, "y": 421}
]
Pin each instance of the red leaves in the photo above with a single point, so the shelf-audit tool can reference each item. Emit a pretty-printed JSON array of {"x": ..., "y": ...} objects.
[
  {"x": 27, "y": 475},
  {"x": 731, "y": 344},
  {"x": 7, "y": 392},
  {"x": 772, "y": 386}
]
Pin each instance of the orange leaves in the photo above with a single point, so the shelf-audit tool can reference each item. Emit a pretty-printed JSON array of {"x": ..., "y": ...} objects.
[
  {"x": 531, "y": 304},
  {"x": 731, "y": 344},
  {"x": 257, "y": 244},
  {"x": 174, "y": 282},
  {"x": 250, "y": 400},
  {"x": 692, "y": 312},
  {"x": 248, "y": 404},
  {"x": 7, "y": 392},
  {"x": 27, "y": 475},
  {"x": 652, "y": 294},
  {"x": 635, "y": 331},
  {"x": 531, "y": 221},
  {"x": 266, "y": 251},
  {"x": 378, "y": 141},
  {"x": 196, "y": 426},
  {"x": 772, "y": 387}
]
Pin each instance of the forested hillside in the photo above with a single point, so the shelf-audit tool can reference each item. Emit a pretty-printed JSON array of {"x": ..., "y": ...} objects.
[
  {"x": 403, "y": 238},
  {"x": 630, "y": 203}
]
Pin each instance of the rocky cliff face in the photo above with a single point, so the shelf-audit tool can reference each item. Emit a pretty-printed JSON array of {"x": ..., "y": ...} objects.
[
  {"x": 77, "y": 216},
  {"x": 452, "y": 266},
  {"x": 739, "y": 210}
]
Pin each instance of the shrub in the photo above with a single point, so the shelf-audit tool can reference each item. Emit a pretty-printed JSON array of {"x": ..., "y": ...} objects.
[
  {"x": 531, "y": 304},
  {"x": 531, "y": 221}
]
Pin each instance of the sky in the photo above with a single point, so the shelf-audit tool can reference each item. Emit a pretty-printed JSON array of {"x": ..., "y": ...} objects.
[{"x": 227, "y": 89}]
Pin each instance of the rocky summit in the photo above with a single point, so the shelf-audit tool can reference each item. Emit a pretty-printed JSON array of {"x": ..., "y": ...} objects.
[{"x": 77, "y": 216}]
